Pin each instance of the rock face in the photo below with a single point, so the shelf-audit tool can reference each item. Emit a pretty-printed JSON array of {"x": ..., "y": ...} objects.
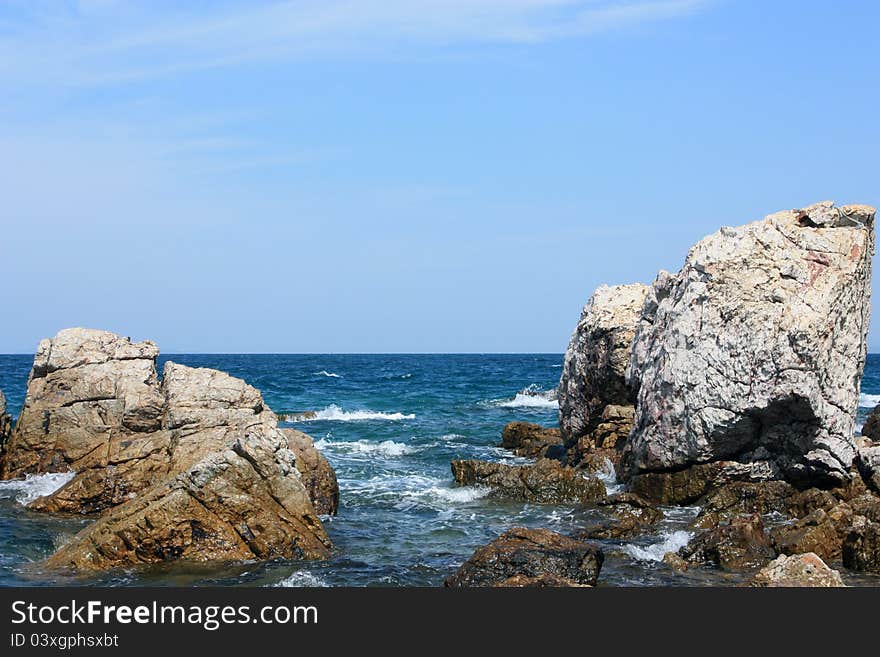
[
  {"x": 318, "y": 475},
  {"x": 754, "y": 350},
  {"x": 871, "y": 428},
  {"x": 5, "y": 424},
  {"x": 597, "y": 358},
  {"x": 868, "y": 460},
  {"x": 799, "y": 570},
  {"x": 527, "y": 439},
  {"x": 739, "y": 545},
  {"x": 545, "y": 482},
  {"x": 531, "y": 556},
  {"x": 820, "y": 531},
  {"x": 194, "y": 467},
  {"x": 861, "y": 547}
]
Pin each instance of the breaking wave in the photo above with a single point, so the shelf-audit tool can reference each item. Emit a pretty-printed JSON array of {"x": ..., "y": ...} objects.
[
  {"x": 530, "y": 397},
  {"x": 326, "y": 373},
  {"x": 334, "y": 413},
  {"x": 301, "y": 578},
  {"x": 386, "y": 447},
  {"x": 868, "y": 401},
  {"x": 31, "y": 487},
  {"x": 670, "y": 542}
]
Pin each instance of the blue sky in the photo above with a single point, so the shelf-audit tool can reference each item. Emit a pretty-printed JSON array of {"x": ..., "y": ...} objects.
[{"x": 391, "y": 175}]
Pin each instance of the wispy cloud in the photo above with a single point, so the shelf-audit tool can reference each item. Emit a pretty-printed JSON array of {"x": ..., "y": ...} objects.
[{"x": 104, "y": 41}]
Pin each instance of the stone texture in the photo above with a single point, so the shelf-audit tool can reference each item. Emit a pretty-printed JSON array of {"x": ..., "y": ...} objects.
[
  {"x": 754, "y": 350},
  {"x": 691, "y": 484},
  {"x": 801, "y": 570},
  {"x": 624, "y": 515},
  {"x": 821, "y": 532},
  {"x": 868, "y": 461},
  {"x": 5, "y": 425},
  {"x": 527, "y": 439},
  {"x": 245, "y": 502},
  {"x": 739, "y": 545},
  {"x": 540, "y": 581},
  {"x": 318, "y": 475},
  {"x": 532, "y": 554},
  {"x": 871, "y": 428},
  {"x": 861, "y": 547},
  {"x": 743, "y": 497},
  {"x": 545, "y": 482},
  {"x": 597, "y": 357}
]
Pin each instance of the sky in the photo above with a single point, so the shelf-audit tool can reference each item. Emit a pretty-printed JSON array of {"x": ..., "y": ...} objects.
[{"x": 403, "y": 175}]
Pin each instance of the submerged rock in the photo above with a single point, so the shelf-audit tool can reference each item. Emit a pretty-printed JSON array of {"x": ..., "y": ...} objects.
[
  {"x": 738, "y": 545},
  {"x": 624, "y": 516},
  {"x": 527, "y": 439},
  {"x": 530, "y": 555},
  {"x": 546, "y": 482},
  {"x": 597, "y": 358},
  {"x": 318, "y": 476},
  {"x": 800, "y": 570},
  {"x": 754, "y": 350}
]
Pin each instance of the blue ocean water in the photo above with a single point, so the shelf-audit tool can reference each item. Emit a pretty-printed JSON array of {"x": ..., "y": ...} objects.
[{"x": 390, "y": 425}]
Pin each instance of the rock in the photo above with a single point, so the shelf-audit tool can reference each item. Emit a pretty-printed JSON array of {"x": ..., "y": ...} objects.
[
  {"x": 871, "y": 428},
  {"x": 691, "y": 484},
  {"x": 821, "y": 532},
  {"x": 755, "y": 349},
  {"x": 541, "y": 581},
  {"x": 527, "y": 439},
  {"x": 861, "y": 547},
  {"x": 5, "y": 425},
  {"x": 597, "y": 357},
  {"x": 743, "y": 497},
  {"x": 318, "y": 475},
  {"x": 867, "y": 506},
  {"x": 89, "y": 392},
  {"x": 674, "y": 561},
  {"x": 868, "y": 461},
  {"x": 799, "y": 570},
  {"x": 739, "y": 545},
  {"x": 245, "y": 502},
  {"x": 624, "y": 515},
  {"x": 530, "y": 554},
  {"x": 546, "y": 482}
]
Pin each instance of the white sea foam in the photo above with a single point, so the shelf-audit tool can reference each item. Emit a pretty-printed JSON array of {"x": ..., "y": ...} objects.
[
  {"x": 608, "y": 476},
  {"x": 335, "y": 414},
  {"x": 559, "y": 365},
  {"x": 530, "y": 397},
  {"x": 452, "y": 436},
  {"x": 31, "y": 487},
  {"x": 868, "y": 401},
  {"x": 386, "y": 447},
  {"x": 301, "y": 578},
  {"x": 326, "y": 373},
  {"x": 670, "y": 542}
]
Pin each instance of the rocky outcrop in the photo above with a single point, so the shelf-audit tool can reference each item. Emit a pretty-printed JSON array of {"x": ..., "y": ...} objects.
[
  {"x": 868, "y": 461},
  {"x": 597, "y": 358},
  {"x": 623, "y": 515},
  {"x": 754, "y": 350},
  {"x": 743, "y": 497},
  {"x": 820, "y": 531},
  {"x": 545, "y": 482},
  {"x": 739, "y": 545},
  {"x": 318, "y": 475},
  {"x": 861, "y": 547},
  {"x": 527, "y": 439},
  {"x": 5, "y": 425},
  {"x": 799, "y": 570},
  {"x": 871, "y": 428},
  {"x": 245, "y": 502},
  {"x": 530, "y": 556}
]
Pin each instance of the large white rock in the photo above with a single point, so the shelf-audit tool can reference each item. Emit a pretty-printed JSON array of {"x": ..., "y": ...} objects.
[
  {"x": 754, "y": 351},
  {"x": 593, "y": 372}
]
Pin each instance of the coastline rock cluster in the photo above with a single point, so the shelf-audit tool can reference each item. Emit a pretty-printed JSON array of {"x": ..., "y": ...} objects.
[{"x": 191, "y": 467}]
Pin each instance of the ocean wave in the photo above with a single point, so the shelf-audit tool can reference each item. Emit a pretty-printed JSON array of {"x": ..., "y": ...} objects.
[
  {"x": 868, "y": 401},
  {"x": 556, "y": 366},
  {"x": 608, "y": 476},
  {"x": 529, "y": 397},
  {"x": 31, "y": 487},
  {"x": 670, "y": 542},
  {"x": 330, "y": 374},
  {"x": 386, "y": 447},
  {"x": 301, "y": 578},
  {"x": 334, "y": 413}
]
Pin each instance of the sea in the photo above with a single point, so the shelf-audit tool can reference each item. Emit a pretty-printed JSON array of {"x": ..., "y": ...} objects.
[{"x": 389, "y": 425}]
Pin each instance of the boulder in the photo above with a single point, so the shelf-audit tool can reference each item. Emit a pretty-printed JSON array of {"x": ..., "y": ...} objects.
[
  {"x": 821, "y": 532},
  {"x": 691, "y": 484},
  {"x": 861, "y": 547},
  {"x": 800, "y": 570},
  {"x": 541, "y": 581},
  {"x": 868, "y": 461},
  {"x": 318, "y": 475},
  {"x": 530, "y": 554},
  {"x": 871, "y": 428},
  {"x": 545, "y": 482},
  {"x": 753, "y": 352},
  {"x": 743, "y": 497},
  {"x": 597, "y": 357},
  {"x": 623, "y": 515},
  {"x": 738, "y": 545},
  {"x": 244, "y": 502},
  {"x": 527, "y": 439}
]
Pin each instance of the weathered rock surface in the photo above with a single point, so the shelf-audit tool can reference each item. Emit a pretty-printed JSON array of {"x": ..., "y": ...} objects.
[
  {"x": 245, "y": 502},
  {"x": 868, "y": 461},
  {"x": 871, "y": 428},
  {"x": 743, "y": 497},
  {"x": 5, "y": 424},
  {"x": 318, "y": 475},
  {"x": 597, "y": 358},
  {"x": 624, "y": 516},
  {"x": 546, "y": 482},
  {"x": 527, "y": 439},
  {"x": 739, "y": 545},
  {"x": 799, "y": 570},
  {"x": 861, "y": 547},
  {"x": 604, "y": 439},
  {"x": 691, "y": 484},
  {"x": 529, "y": 555},
  {"x": 821, "y": 532},
  {"x": 754, "y": 350},
  {"x": 541, "y": 581}
]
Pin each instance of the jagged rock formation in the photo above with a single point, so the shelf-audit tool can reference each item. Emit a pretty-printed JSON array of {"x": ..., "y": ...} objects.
[
  {"x": 623, "y": 515},
  {"x": 754, "y": 350},
  {"x": 799, "y": 570},
  {"x": 533, "y": 557},
  {"x": 738, "y": 545},
  {"x": 597, "y": 357},
  {"x": 868, "y": 461},
  {"x": 5, "y": 424},
  {"x": 545, "y": 482},
  {"x": 527, "y": 439},
  {"x": 194, "y": 467}
]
